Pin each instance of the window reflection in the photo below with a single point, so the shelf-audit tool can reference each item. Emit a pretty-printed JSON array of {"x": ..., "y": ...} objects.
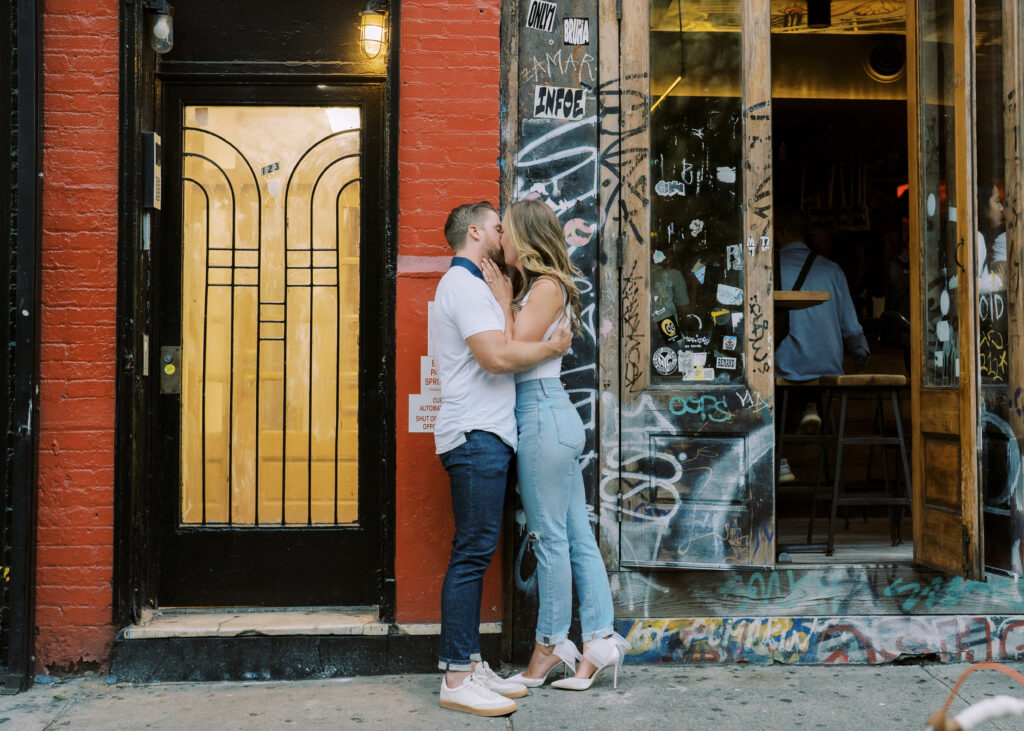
[{"x": 697, "y": 254}]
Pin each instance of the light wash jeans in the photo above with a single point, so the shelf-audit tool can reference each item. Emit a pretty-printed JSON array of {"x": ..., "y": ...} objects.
[{"x": 551, "y": 439}]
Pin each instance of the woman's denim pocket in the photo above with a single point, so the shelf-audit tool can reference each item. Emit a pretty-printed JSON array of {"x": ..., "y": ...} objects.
[{"x": 569, "y": 426}]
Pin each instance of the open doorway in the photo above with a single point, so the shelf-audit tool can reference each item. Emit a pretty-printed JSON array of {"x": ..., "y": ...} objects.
[{"x": 840, "y": 161}]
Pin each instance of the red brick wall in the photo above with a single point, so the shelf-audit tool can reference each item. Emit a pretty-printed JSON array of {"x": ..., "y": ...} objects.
[
  {"x": 447, "y": 155},
  {"x": 448, "y": 148},
  {"x": 76, "y": 439}
]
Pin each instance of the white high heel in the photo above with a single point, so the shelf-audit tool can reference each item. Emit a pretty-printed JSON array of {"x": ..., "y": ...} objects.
[
  {"x": 604, "y": 653},
  {"x": 567, "y": 653}
]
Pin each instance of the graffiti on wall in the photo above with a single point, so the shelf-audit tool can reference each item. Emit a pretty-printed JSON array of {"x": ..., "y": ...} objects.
[
  {"x": 556, "y": 161},
  {"x": 824, "y": 640}
]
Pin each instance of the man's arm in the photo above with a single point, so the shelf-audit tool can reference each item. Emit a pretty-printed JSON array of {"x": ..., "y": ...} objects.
[
  {"x": 496, "y": 354},
  {"x": 854, "y": 341}
]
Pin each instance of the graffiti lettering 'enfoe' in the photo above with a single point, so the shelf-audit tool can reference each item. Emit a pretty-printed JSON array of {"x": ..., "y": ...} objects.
[{"x": 556, "y": 102}]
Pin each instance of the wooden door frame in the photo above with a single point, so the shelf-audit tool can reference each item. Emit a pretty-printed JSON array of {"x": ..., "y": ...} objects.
[
  {"x": 624, "y": 111},
  {"x": 964, "y": 400}
]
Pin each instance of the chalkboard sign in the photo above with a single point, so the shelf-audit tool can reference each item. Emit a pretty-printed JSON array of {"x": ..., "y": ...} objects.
[{"x": 992, "y": 341}]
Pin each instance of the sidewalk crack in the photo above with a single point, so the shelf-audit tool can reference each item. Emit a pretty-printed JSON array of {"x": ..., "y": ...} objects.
[
  {"x": 63, "y": 710},
  {"x": 949, "y": 686}
]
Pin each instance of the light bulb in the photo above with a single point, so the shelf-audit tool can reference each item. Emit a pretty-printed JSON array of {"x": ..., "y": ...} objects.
[{"x": 163, "y": 33}]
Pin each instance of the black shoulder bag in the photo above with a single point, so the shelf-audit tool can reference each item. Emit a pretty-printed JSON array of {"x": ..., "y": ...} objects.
[{"x": 782, "y": 315}]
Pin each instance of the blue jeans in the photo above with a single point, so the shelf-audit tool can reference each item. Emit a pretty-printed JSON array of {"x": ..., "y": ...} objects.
[
  {"x": 478, "y": 473},
  {"x": 551, "y": 439}
]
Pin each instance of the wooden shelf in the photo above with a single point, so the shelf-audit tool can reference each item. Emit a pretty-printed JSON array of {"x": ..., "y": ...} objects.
[{"x": 799, "y": 300}]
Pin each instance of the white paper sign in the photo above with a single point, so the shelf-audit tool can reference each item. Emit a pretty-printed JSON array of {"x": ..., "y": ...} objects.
[
  {"x": 541, "y": 15},
  {"x": 730, "y": 295},
  {"x": 425, "y": 406},
  {"x": 423, "y": 411}
]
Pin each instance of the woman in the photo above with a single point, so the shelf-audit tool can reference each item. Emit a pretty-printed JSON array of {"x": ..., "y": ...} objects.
[{"x": 551, "y": 439}]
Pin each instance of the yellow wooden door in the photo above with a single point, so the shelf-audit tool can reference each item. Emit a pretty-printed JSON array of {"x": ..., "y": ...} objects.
[{"x": 943, "y": 230}]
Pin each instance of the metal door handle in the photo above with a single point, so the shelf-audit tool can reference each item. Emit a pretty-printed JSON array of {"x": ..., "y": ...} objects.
[{"x": 956, "y": 255}]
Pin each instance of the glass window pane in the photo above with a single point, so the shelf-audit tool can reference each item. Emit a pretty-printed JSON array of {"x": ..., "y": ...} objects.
[
  {"x": 270, "y": 296},
  {"x": 697, "y": 255},
  {"x": 937, "y": 135},
  {"x": 997, "y": 437}
]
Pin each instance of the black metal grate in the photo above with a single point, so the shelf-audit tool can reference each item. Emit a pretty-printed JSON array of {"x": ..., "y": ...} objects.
[{"x": 308, "y": 266}]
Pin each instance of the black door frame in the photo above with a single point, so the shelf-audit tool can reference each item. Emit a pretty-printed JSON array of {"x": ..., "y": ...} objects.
[
  {"x": 201, "y": 565},
  {"x": 136, "y": 550},
  {"x": 20, "y": 230}
]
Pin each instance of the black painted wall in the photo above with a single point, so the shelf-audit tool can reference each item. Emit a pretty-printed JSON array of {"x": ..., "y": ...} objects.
[
  {"x": 556, "y": 160},
  {"x": 313, "y": 32}
]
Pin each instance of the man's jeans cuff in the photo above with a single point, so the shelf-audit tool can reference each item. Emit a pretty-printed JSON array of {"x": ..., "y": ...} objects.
[{"x": 459, "y": 667}]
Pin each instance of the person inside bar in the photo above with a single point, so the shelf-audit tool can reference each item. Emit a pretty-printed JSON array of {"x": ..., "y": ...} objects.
[
  {"x": 669, "y": 296},
  {"x": 818, "y": 335}
]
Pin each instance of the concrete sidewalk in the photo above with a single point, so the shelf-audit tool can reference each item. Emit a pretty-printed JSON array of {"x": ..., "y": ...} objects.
[{"x": 648, "y": 697}]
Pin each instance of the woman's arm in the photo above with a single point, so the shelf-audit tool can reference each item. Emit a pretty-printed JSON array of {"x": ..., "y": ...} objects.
[{"x": 542, "y": 308}]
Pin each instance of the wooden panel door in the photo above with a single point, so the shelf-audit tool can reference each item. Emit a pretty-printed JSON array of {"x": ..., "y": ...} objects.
[
  {"x": 943, "y": 229},
  {"x": 693, "y": 481}
]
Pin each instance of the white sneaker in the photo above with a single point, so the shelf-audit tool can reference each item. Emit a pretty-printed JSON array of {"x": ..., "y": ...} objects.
[
  {"x": 471, "y": 697},
  {"x": 489, "y": 679},
  {"x": 785, "y": 474},
  {"x": 810, "y": 421}
]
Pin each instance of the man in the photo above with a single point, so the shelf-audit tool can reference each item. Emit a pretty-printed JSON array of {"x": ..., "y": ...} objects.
[
  {"x": 669, "y": 297},
  {"x": 475, "y": 437},
  {"x": 817, "y": 335}
]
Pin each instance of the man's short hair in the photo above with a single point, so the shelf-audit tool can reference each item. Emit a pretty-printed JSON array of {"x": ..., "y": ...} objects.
[
  {"x": 461, "y": 218},
  {"x": 788, "y": 216}
]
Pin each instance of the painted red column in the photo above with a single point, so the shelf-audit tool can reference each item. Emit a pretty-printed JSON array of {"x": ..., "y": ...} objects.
[
  {"x": 79, "y": 312},
  {"x": 447, "y": 155}
]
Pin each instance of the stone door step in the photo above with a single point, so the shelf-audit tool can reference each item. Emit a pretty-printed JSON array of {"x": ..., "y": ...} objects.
[
  {"x": 262, "y": 622},
  {"x": 275, "y": 622}
]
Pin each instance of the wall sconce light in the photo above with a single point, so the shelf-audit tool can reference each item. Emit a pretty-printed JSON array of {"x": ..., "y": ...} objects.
[
  {"x": 819, "y": 13},
  {"x": 162, "y": 29},
  {"x": 373, "y": 29}
]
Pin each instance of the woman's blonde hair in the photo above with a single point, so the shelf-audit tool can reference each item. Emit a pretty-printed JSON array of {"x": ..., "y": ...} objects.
[{"x": 537, "y": 237}]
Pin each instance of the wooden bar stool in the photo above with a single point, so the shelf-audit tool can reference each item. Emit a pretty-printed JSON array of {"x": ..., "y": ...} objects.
[
  {"x": 877, "y": 386},
  {"x": 825, "y": 441}
]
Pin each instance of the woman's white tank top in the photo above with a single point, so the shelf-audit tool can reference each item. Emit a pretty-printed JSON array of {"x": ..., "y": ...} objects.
[{"x": 552, "y": 367}]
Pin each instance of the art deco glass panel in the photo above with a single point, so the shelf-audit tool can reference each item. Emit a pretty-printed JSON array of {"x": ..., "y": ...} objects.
[{"x": 270, "y": 305}]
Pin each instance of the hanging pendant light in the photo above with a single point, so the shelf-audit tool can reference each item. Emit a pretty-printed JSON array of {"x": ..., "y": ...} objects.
[{"x": 819, "y": 13}]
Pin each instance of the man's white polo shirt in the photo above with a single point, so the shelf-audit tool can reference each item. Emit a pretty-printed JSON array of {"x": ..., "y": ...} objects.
[{"x": 471, "y": 398}]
